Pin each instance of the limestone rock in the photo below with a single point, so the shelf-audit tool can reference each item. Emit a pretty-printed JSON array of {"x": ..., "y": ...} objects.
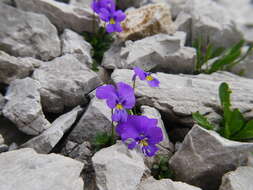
[
  {"x": 12, "y": 68},
  {"x": 96, "y": 119},
  {"x": 39, "y": 171},
  {"x": 27, "y": 34},
  {"x": 81, "y": 3},
  {"x": 62, "y": 15},
  {"x": 160, "y": 52},
  {"x": 147, "y": 21},
  {"x": 2, "y": 103},
  {"x": 241, "y": 178},
  {"x": 23, "y": 106},
  {"x": 205, "y": 157},
  {"x": 116, "y": 168},
  {"x": 73, "y": 43},
  {"x": 201, "y": 90},
  {"x": 45, "y": 142},
  {"x": 164, "y": 184},
  {"x": 64, "y": 83}
]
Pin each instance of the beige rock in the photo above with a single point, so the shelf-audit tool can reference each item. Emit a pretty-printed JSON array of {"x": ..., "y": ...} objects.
[{"x": 147, "y": 21}]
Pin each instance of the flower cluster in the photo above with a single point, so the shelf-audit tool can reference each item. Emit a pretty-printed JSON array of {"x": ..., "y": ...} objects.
[
  {"x": 106, "y": 9},
  {"x": 134, "y": 130}
]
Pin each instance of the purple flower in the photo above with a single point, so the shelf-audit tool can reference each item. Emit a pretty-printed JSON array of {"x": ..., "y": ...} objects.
[
  {"x": 142, "y": 131},
  {"x": 97, "y": 5},
  {"x": 112, "y": 17},
  {"x": 119, "y": 98},
  {"x": 153, "y": 82}
]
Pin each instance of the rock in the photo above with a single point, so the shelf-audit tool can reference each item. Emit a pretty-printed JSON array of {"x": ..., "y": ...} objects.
[
  {"x": 2, "y": 103},
  {"x": 73, "y": 43},
  {"x": 116, "y": 168},
  {"x": 1, "y": 139},
  {"x": 27, "y": 34},
  {"x": 23, "y": 106},
  {"x": 62, "y": 15},
  {"x": 45, "y": 142},
  {"x": 212, "y": 23},
  {"x": 201, "y": 90},
  {"x": 205, "y": 157},
  {"x": 241, "y": 179},
  {"x": 250, "y": 160},
  {"x": 104, "y": 75},
  {"x": 12, "y": 68},
  {"x": 147, "y": 21},
  {"x": 96, "y": 119},
  {"x": 160, "y": 52},
  {"x": 64, "y": 83},
  {"x": 164, "y": 184},
  {"x": 39, "y": 171},
  {"x": 3, "y": 148},
  {"x": 81, "y": 3}
]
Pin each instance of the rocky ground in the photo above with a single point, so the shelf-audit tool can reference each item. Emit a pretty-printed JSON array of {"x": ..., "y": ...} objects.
[{"x": 49, "y": 114}]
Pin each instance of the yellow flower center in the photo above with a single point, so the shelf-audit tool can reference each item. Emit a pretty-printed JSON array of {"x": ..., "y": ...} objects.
[
  {"x": 149, "y": 78},
  {"x": 119, "y": 106},
  {"x": 112, "y": 21},
  {"x": 144, "y": 143}
]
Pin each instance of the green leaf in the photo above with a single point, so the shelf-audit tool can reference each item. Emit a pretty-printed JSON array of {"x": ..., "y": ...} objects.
[
  {"x": 246, "y": 133},
  {"x": 202, "y": 121},
  {"x": 224, "y": 94},
  {"x": 236, "y": 122}
]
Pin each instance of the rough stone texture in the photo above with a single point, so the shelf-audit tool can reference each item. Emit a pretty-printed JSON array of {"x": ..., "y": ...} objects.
[
  {"x": 160, "y": 52},
  {"x": 23, "y": 106},
  {"x": 81, "y": 3},
  {"x": 250, "y": 160},
  {"x": 212, "y": 22},
  {"x": 240, "y": 179},
  {"x": 180, "y": 95},
  {"x": 73, "y": 43},
  {"x": 64, "y": 83},
  {"x": 205, "y": 157},
  {"x": 164, "y": 184},
  {"x": 27, "y": 34},
  {"x": 45, "y": 142},
  {"x": 96, "y": 119},
  {"x": 62, "y": 15},
  {"x": 147, "y": 21},
  {"x": 116, "y": 168},
  {"x": 2, "y": 103},
  {"x": 1, "y": 139},
  {"x": 12, "y": 68},
  {"x": 24, "y": 169}
]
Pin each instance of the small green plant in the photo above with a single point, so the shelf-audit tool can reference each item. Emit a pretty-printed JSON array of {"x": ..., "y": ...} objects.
[
  {"x": 102, "y": 140},
  {"x": 101, "y": 42},
  {"x": 161, "y": 169},
  {"x": 223, "y": 58},
  {"x": 233, "y": 125}
]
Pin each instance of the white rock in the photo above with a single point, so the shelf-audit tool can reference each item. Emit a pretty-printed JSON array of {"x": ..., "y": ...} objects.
[
  {"x": 240, "y": 179},
  {"x": 24, "y": 169},
  {"x": 23, "y": 106},
  {"x": 45, "y": 142},
  {"x": 205, "y": 157},
  {"x": 116, "y": 168},
  {"x": 81, "y": 3},
  {"x": 12, "y": 68},
  {"x": 62, "y": 15},
  {"x": 164, "y": 184},
  {"x": 27, "y": 34},
  {"x": 73, "y": 43},
  {"x": 180, "y": 95},
  {"x": 64, "y": 83}
]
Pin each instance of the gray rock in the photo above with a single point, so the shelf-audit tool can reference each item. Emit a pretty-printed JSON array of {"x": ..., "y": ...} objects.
[
  {"x": 62, "y": 15},
  {"x": 1, "y": 139},
  {"x": 23, "y": 106},
  {"x": 12, "y": 68},
  {"x": 73, "y": 43},
  {"x": 39, "y": 171},
  {"x": 96, "y": 119},
  {"x": 2, "y": 103},
  {"x": 3, "y": 148},
  {"x": 212, "y": 22},
  {"x": 116, "y": 168},
  {"x": 81, "y": 3},
  {"x": 27, "y": 34},
  {"x": 201, "y": 90},
  {"x": 64, "y": 83},
  {"x": 250, "y": 160},
  {"x": 45, "y": 142},
  {"x": 205, "y": 157},
  {"x": 164, "y": 184},
  {"x": 160, "y": 52},
  {"x": 240, "y": 179}
]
